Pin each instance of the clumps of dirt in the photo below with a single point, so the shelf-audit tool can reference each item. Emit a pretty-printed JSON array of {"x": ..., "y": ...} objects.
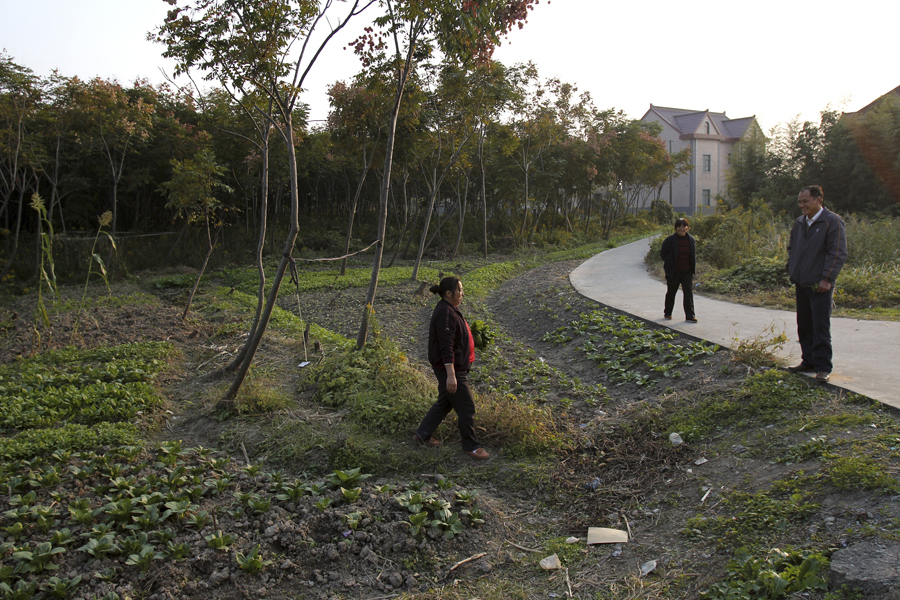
[
  {"x": 97, "y": 325},
  {"x": 402, "y": 313}
]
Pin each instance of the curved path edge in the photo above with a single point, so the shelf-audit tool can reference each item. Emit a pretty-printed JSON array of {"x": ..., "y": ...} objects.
[{"x": 866, "y": 353}]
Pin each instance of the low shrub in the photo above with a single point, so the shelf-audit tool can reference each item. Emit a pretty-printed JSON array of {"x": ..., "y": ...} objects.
[
  {"x": 749, "y": 276},
  {"x": 868, "y": 286},
  {"x": 379, "y": 387}
]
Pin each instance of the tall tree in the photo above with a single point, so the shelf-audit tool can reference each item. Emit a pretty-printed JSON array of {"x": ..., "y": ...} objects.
[
  {"x": 110, "y": 124},
  {"x": 355, "y": 122},
  {"x": 194, "y": 193},
  {"x": 451, "y": 122},
  {"x": 748, "y": 169},
  {"x": 407, "y": 33},
  {"x": 246, "y": 45},
  {"x": 20, "y": 97}
]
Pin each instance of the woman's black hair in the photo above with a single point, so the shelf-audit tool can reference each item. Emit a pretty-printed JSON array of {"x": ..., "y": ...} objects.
[
  {"x": 682, "y": 222},
  {"x": 448, "y": 284}
]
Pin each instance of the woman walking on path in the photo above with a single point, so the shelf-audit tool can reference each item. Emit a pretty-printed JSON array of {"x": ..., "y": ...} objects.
[
  {"x": 679, "y": 255},
  {"x": 451, "y": 352}
]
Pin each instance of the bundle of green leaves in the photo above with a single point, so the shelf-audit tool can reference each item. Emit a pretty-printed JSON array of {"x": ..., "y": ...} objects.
[{"x": 482, "y": 334}]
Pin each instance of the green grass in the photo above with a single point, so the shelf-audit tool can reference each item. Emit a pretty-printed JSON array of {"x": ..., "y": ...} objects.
[
  {"x": 753, "y": 520},
  {"x": 769, "y": 396}
]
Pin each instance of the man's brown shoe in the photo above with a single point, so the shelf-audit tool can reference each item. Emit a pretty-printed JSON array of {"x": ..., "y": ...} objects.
[
  {"x": 801, "y": 368},
  {"x": 691, "y": 319},
  {"x": 479, "y": 453},
  {"x": 429, "y": 442},
  {"x": 823, "y": 376}
]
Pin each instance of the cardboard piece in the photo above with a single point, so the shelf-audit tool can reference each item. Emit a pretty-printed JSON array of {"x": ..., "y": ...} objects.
[{"x": 602, "y": 535}]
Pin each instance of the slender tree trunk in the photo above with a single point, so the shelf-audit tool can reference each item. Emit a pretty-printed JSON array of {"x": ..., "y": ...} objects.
[
  {"x": 15, "y": 246},
  {"x": 362, "y": 179},
  {"x": 590, "y": 201},
  {"x": 462, "y": 215},
  {"x": 483, "y": 192},
  {"x": 537, "y": 218},
  {"x": 260, "y": 247},
  {"x": 438, "y": 230},
  {"x": 405, "y": 223},
  {"x": 402, "y": 76},
  {"x": 254, "y": 340},
  {"x": 212, "y": 245},
  {"x": 435, "y": 190},
  {"x": 525, "y": 206}
]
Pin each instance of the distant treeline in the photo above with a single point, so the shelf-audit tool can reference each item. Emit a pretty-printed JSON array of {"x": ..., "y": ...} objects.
[{"x": 498, "y": 156}]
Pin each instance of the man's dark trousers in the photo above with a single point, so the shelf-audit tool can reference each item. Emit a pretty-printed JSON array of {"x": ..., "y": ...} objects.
[
  {"x": 684, "y": 279},
  {"x": 814, "y": 326}
]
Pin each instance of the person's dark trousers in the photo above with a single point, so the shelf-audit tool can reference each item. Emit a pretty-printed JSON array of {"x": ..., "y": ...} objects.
[
  {"x": 814, "y": 326},
  {"x": 461, "y": 401},
  {"x": 684, "y": 279}
]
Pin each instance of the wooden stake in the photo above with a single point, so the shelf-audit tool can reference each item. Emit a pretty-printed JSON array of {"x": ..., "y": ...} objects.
[{"x": 470, "y": 559}]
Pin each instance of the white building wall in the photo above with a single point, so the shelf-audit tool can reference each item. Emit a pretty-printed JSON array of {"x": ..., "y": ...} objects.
[
  {"x": 678, "y": 193},
  {"x": 706, "y": 180}
]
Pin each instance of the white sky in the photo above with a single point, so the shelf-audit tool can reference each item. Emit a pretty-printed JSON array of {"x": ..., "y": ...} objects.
[{"x": 771, "y": 58}]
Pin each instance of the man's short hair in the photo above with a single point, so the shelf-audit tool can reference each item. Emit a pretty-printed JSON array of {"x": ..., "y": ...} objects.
[
  {"x": 815, "y": 191},
  {"x": 682, "y": 222}
]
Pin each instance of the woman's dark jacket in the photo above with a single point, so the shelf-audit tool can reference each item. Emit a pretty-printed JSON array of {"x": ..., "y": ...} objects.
[
  {"x": 448, "y": 338},
  {"x": 669, "y": 253}
]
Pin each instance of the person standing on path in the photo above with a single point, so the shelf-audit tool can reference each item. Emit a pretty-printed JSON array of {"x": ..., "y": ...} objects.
[
  {"x": 679, "y": 256},
  {"x": 816, "y": 253},
  {"x": 451, "y": 352}
]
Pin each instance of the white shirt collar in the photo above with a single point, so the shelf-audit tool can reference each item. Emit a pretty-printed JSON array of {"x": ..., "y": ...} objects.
[{"x": 810, "y": 221}]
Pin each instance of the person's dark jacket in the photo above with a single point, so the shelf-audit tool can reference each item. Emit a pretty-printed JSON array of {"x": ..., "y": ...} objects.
[
  {"x": 448, "y": 338},
  {"x": 817, "y": 252},
  {"x": 668, "y": 252}
]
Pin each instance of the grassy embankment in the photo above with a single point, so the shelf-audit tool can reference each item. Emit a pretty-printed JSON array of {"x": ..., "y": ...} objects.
[{"x": 83, "y": 479}]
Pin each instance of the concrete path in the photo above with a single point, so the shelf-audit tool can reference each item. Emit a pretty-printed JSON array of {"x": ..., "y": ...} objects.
[{"x": 866, "y": 353}]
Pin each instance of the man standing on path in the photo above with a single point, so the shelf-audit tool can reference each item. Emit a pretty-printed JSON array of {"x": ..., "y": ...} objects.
[
  {"x": 679, "y": 255},
  {"x": 816, "y": 252}
]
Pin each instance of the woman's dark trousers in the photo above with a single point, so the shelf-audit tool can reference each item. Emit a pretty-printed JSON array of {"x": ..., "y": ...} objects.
[{"x": 461, "y": 401}]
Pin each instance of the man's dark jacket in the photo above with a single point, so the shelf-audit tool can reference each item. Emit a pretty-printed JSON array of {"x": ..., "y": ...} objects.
[
  {"x": 668, "y": 252},
  {"x": 448, "y": 338},
  {"x": 817, "y": 252}
]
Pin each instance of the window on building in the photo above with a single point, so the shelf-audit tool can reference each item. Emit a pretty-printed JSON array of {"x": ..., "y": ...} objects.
[
  {"x": 729, "y": 158},
  {"x": 706, "y": 198},
  {"x": 707, "y": 127},
  {"x": 707, "y": 163}
]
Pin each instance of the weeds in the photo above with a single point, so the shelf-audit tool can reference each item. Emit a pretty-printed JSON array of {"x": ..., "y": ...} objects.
[
  {"x": 46, "y": 268},
  {"x": 761, "y": 350},
  {"x": 777, "y": 575},
  {"x": 753, "y": 518},
  {"x": 378, "y": 386},
  {"x": 103, "y": 221}
]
